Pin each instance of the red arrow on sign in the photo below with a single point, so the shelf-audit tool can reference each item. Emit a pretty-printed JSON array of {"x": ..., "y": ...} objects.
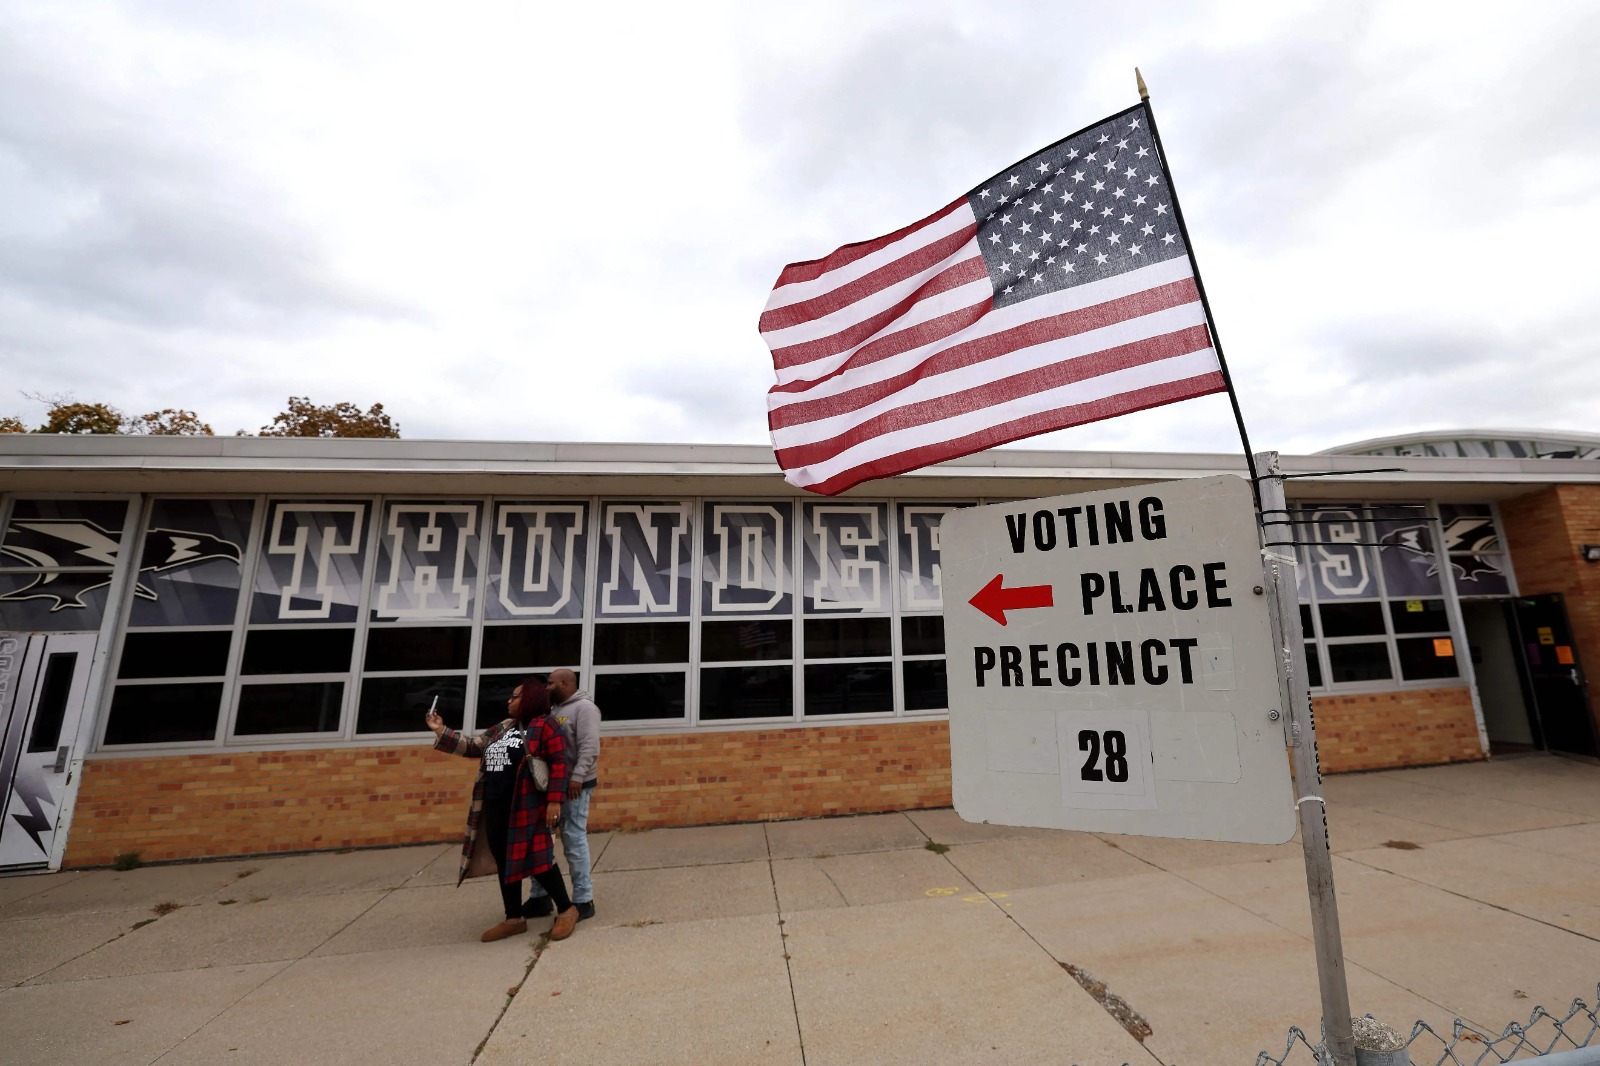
[{"x": 995, "y": 600}]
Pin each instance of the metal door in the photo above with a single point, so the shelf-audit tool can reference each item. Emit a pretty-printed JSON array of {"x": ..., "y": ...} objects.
[
  {"x": 1552, "y": 676},
  {"x": 43, "y": 679}
]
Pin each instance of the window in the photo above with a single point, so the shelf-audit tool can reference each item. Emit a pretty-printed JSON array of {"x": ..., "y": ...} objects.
[
  {"x": 422, "y": 604},
  {"x": 846, "y": 599},
  {"x": 177, "y": 649},
  {"x": 1475, "y": 548},
  {"x": 56, "y": 561},
  {"x": 1376, "y": 610},
  {"x": 306, "y": 620}
]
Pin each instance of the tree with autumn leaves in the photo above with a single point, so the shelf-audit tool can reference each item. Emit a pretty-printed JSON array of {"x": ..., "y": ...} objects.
[{"x": 302, "y": 419}]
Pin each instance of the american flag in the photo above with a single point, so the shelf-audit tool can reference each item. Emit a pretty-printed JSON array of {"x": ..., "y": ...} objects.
[{"x": 1058, "y": 292}]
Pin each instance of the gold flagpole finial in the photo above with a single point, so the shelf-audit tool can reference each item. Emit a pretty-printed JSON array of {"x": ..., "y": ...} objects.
[{"x": 1144, "y": 92}]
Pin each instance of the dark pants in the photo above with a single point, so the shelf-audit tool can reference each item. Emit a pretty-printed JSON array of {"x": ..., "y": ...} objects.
[{"x": 497, "y": 823}]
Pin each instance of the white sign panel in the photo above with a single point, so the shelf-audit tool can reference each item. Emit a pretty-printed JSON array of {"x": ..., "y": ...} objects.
[{"x": 1111, "y": 665}]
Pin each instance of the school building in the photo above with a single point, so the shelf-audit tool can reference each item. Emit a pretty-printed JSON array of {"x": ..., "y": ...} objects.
[{"x": 226, "y": 646}]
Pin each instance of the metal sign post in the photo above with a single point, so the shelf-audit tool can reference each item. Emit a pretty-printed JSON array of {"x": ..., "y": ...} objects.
[{"x": 1278, "y": 556}]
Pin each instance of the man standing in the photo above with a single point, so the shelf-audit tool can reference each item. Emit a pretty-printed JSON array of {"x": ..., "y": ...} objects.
[{"x": 571, "y": 708}]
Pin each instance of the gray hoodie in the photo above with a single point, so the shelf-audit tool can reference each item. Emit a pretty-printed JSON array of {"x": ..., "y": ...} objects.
[{"x": 579, "y": 714}]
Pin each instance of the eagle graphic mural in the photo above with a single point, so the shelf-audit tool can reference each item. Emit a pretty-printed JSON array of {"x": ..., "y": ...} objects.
[{"x": 49, "y": 544}]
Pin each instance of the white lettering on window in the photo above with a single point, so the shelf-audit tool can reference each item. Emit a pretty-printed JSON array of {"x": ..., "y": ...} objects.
[
  {"x": 924, "y": 578},
  {"x": 645, "y": 543},
  {"x": 439, "y": 587},
  {"x": 845, "y": 538},
  {"x": 538, "y": 545},
  {"x": 1343, "y": 570},
  {"x": 317, "y": 521},
  {"x": 750, "y": 557}
]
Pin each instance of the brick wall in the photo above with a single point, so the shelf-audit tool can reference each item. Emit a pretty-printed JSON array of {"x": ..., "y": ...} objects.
[
  {"x": 1417, "y": 727},
  {"x": 1544, "y": 533},
  {"x": 203, "y": 805}
]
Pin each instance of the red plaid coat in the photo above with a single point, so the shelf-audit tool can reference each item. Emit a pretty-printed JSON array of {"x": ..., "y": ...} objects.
[{"x": 529, "y": 845}]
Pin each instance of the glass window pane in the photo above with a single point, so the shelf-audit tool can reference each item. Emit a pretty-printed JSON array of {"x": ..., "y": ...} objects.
[
  {"x": 921, "y": 584},
  {"x": 298, "y": 651},
  {"x": 418, "y": 648},
  {"x": 925, "y": 685},
  {"x": 645, "y": 566},
  {"x": 847, "y": 638},
  {"x": 1410, "y": 564},
  {"x": 537, "y": 554},
  {"x": 1427, "y": 657},
  {"x": 1481, "y": 575},
  {"x": 746, "y": 692},
  {"x": 1359, "y": 662},
  {"x": 294, "y": 707},
  {"x": 640, "y": 697},
  {"x": 427, "y": 560},
  {"x": 922, "y": 635},
  {"x": 747, "y": 566},
  {"x": 506, "y": 647},
  {"x": 1418, "y": 616},
  {"x": 45, "y": 601},
  {"x": 849, "y": 688},
  {"x": 164, "y": 714},
  {"x": 846, "y": 557},
  {"x": 1351, "y": 619},
  {"x": 1476, "y": 552},
  {"x": 44, "y": 535},
  {"x": 1305, "y": 620},
  {"x": 725, "y": 642},
  {"x": 399, "y": 704},
  {"x": 190, "y": 563},
  {"x": 168, "y": 654},
  {"x": 1340, "y": 567},
  {"x": 494, "y": 692},
  {"x": 50, "y": 709},
  {"x": 623, "y": 644},
  {"x": 68, "y": 532},
  {"x": 313, "y": 555},
  {"x": 1313, "y": 667}
]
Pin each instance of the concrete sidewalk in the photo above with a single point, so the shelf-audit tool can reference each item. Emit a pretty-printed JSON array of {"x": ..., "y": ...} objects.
[{"x": 1468, "y": 890}]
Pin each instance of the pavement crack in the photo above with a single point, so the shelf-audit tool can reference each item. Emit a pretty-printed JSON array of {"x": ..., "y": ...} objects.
[
  {"x": 511, "y": 994},
  {"x": 788, "y": 964},
  {"x": 1474, "y": 899},
  {"x": 1066, "y": 967},
  {"x": 241, "y": 998}
]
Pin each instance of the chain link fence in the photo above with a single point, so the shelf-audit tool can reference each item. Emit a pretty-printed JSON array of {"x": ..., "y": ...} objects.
[{"x": 1544, "y": 1034}]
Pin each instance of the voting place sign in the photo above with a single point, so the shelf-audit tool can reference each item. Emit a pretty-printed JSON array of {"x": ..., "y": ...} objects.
[{"x": 1111, "y": 665}]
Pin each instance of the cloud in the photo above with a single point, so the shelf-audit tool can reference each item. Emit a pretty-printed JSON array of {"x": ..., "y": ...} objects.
[{"x": 553, "y": 223}]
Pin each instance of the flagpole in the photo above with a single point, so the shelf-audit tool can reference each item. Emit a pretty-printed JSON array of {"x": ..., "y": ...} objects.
[{"x": 1211, "y": 324}]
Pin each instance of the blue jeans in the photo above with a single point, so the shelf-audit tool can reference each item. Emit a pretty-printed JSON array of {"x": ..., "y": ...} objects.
[{"x": 575, "y": 842}]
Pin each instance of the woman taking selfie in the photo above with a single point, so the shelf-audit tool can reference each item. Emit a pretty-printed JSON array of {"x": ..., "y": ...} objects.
[{"x": 510, "y": 821}]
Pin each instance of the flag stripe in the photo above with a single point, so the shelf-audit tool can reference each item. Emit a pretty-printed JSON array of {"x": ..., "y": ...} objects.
[
  {"x": 944, "y": 407},
  {"x": 959, "y": 352},
  {"x": 843, "y": 373},
  {"x": 853, "y": 334},
  {"x": 815, "y": 268},
  {"x": 1178, "y": 368},
  {"x": 965, "y": 261},
  {"x": 855, "y": 367},
  {"x": 913, "y": 265},
  {"x": 947, "y": 222},
  {"x": 1016, "y": 429}
]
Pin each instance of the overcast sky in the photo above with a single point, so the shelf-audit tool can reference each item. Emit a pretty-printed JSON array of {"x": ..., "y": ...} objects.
[{"x": 531, "y": 221}]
